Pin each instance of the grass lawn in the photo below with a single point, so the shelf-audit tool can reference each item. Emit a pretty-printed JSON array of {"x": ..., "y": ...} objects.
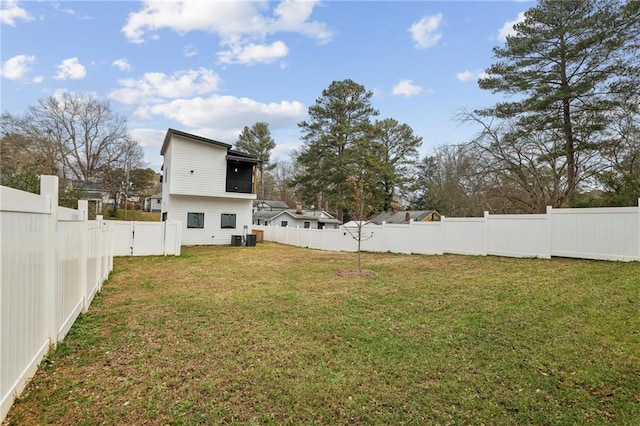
[{"x": 272, "y": 335}]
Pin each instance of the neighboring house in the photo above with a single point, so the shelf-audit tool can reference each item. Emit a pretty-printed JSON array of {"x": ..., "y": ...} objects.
[
  {"x": 270, "y": 205},
  {"x": 207, "y": 186},
  {"x": 296, "y": 218},
  {"x": 93, "y": 193},
  {"x": 404, "y": 216},
  {"x": 153, "y": 204}
]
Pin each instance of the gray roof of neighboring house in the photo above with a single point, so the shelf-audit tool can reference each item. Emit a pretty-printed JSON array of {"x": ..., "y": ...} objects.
[
  {"x": 400, "y": 216},
  {"x": 273, "y": 204}
]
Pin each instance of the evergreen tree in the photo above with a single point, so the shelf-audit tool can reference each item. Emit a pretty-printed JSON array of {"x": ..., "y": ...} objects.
[
  {"x": 336, "y": 145},
  {"x": 258, "y": 142},
  {"x": 565, "y": 65},
  {"x": 397, "y": 150}
]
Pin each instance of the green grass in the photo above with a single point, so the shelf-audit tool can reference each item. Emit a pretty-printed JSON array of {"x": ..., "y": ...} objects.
[
  {"x": 272, "y": 335},
  {"x": 136, "y": 215}
]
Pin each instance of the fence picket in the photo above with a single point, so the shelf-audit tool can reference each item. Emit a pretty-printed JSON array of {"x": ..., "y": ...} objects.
[
  {"x": 45, "y": 282},
  {"x": 611, "y": 233}
]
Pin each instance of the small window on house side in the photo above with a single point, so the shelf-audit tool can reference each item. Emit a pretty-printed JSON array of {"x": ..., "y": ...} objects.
[
  {"x": 284, "y": 223},
  {"x": 228, "y": 220},
  {"x": 195, "y": 220},
  {"x": 307, "y": 225}
]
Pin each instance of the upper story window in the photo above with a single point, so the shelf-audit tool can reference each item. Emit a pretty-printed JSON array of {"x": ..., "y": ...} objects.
[{"x": 240, "y": 175}]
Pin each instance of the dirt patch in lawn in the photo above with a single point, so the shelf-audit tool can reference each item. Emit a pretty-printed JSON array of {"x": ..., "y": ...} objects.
[{"x": 356, "y": 273}]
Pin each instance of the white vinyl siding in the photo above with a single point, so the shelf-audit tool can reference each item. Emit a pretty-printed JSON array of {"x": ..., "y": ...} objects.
[
  {"x": 212, "y": 233},
  {"x": 197, "y": 168}
]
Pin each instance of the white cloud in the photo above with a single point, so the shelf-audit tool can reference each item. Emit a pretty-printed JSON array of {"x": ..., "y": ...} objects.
[
  {"x": 425, "y": 32},
  {"x": 149, "y": 138},
  {"x": 507, "y": 29},
  {"x": 293, "y": 16},
  {"x": 121, "y": 64},
  {"x": 471, "y": 75},
  {"x": 66, "y": 10},
  {"x": 406, "y": 88},
  {"x": 242, "y": 26},
  {"x": 283, "y": 151},
  {"x": 38, "y": 79},
  {"x": 254, "y": 53},
  {"x": 189, "y": 51},
  {"x": 156, "y": 86},
  {"x": 72, "y": 69},
  {"x": 17, "y": 67},
  {"x": 11, "y": 12},
  {"x": 227, "y": 112}
]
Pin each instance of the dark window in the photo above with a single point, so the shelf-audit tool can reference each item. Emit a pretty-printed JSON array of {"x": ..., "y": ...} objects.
[
  {"x": 284, "y": 223},
  {"x": 164, "y": 216},
  {"x": 227, "y": 220},
  {"x": 239, "y": 177},
  {"x": 195, "y": 220},
  {"x": 307, "y": 225}
]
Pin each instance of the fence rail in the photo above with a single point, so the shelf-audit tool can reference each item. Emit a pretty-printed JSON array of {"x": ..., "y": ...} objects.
[
  {"x": 593, "y": 233},
  {"x": 53, "y": 263}
]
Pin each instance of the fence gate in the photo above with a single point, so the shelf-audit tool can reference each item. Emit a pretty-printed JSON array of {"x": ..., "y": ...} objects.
[{"x": 146, "y": 238}]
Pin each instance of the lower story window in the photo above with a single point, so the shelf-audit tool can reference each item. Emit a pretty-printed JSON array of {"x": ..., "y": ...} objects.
[
  {"x": 195, "y": 220},
  {"x": 284, "y": 223},
  {"x": 228, "y": 220}
]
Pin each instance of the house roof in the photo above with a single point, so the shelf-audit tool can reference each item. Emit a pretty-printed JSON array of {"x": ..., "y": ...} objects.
[
  {"x": 401, "y": 216},
  {"x": 172, "y": 132},
  {"x": 273, "y": 204},
  {"x": 231, "y": 154},
  {"x": 242, "y": 156}
]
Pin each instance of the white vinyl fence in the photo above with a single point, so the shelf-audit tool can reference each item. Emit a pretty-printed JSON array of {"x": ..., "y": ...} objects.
[
  {"x": 611, "y": 233},
  {"x": 53, "y": 262},
  {"x": 146, "y": 238}
]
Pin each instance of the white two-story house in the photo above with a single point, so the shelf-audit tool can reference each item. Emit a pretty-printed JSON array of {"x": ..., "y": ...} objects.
[{"x": 207, "y": 186}]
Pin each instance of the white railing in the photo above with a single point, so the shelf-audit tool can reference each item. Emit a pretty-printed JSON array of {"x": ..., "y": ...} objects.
[
  {"x": 53, "y": 262},
  {"x": 594, "y": 233}
]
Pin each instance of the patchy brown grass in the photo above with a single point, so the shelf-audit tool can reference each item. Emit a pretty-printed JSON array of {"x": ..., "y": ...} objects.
[{"x": 274, "y": 335}]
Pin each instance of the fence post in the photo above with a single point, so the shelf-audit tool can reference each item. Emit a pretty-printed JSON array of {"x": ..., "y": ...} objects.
[
  {"x": 549, "y": 222},
  {"x": 638, "y": 229},
  {"x": 83, "y": 208},
  {"x": 98, "y": 258},
  {"x": 49, "y": 188},
  {"x": 485, "y": 233}
]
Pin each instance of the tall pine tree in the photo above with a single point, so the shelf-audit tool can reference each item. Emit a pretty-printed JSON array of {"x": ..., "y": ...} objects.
[
  {"x": 564, "y": 67},
  {"x": 336, "y": 140},
  {"x": 258, "y": 142}
]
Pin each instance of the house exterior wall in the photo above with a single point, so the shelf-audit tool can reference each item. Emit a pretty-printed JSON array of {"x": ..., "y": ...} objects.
[
  {"x": 196, "y": 168},
  {"x": 194, "y": 181},
  {"x": 179, "y": 205},
  {"x": 293, "y": 222}
]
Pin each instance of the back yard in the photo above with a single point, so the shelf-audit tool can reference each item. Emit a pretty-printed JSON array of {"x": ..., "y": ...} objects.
[{"x": 272, "y": 335}]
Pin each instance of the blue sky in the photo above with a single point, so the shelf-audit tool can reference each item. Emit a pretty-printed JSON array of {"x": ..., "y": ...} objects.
[{"x": 213, "y": 67}]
